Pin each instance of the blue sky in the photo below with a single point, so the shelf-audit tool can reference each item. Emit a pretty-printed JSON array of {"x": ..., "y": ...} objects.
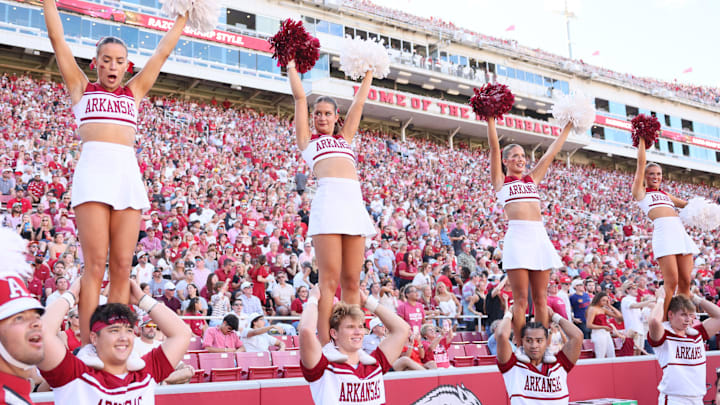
[{"x": 654, "y": 38}]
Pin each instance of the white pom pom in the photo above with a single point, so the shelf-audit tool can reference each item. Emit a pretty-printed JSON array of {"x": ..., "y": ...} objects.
[
  {"x": 203, "y": 15},
  {"x": 701, "y": 213},
  {"x": 13, "y": 249},
  {"x": 360, "y": 56},
  {"x": 575, "y": 108}
]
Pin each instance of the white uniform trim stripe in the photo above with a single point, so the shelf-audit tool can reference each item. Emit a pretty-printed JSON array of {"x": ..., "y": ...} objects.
[{"x": 130, "y": 387}]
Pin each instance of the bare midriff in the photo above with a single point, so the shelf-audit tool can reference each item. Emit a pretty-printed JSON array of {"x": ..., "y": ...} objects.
[
  {"x": 661, "y": 212},
  {"x": 104, "y": 132},
  {"x": 523, "y": 211},
  {"x": 335, "y": 167}
]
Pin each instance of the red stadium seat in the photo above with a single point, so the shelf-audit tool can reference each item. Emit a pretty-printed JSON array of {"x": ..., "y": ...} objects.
[
  {"x": 480, "y": 354},
  {"x": 195, "y": 343},
  {"x": 588, "y": 349},
  {"x": 221, "y": 366},
  {"x": 296, "y": 341},
  {"x": 289, "y": 343},
  {"x": 472, "y": 336},
  {"x": 288, "y": 363},
  {"x": 456, "y": 354},
  {"x": 256, "y": 365},
  {"x": 191, "y": 359}
]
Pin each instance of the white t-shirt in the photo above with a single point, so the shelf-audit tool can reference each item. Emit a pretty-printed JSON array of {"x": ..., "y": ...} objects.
[
  {"x": 141, "y": 348},
  {"x": 257, "y": 343},
  {"x": 284, "y": 294},
  {"x": 73, "y": 382},
  {"x": 683, "y": 361},
  {"x": 631, "y": 316},
  {"x": 143, "y": 274},
  {"x": 526, "y": 385},
  {"x": 343, "y": 384}
]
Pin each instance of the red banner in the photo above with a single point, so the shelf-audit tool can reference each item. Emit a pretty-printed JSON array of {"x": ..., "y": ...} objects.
[
  {"x": 675, "y": 136},
  {"x": 223, "y": 37}
]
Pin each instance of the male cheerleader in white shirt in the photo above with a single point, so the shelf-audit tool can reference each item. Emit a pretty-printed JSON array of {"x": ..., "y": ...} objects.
[
  {"x": 681, "y": 354},
  {"x": 351, "y": 379},
  {"x": 111, "y": 325},
  {"x": 537, "y": 382}
]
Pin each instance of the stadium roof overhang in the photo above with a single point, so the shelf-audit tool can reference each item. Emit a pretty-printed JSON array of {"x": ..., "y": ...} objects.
[{"x": 439, "y": 115}]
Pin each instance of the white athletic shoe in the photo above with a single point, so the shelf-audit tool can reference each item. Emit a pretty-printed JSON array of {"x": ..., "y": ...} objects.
[
  {"x": 88, "y": 355},
  {"x": 521, "y": 356},
  {"x": 135, "y": 362}
]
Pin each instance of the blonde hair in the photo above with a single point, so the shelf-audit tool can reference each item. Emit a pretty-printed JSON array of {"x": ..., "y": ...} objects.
[{"x": 342, "y": 310}]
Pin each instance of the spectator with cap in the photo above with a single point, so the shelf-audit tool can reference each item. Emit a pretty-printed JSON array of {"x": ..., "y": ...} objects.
[
  {"x": 283, "y": 294},
  {"x": 251, "y": 303},
  {"x": 411, "y": 310},
  {"x": 564, "y": 294},
  {"x": 222, "y": 338},
  {"x": 376, "y": 335},
  {"x": 256, "y": 337},
  {"x": 7, "y": 184},
  {"x": 143, "y": 270},
  {"x": 168, "y": 298},
  {"x": 145, "y": 342},
  {"x": 631, "y": 311},
  {"x": 580, "y": 301},
  {"x": 157, "y": 283}
]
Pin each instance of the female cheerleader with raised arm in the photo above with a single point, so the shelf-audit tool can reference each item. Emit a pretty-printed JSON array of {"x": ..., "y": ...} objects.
[
  {"x": 528, "y": 255},
  {"x": 672, "y": 246},
  {"x": 339, "y": 222},
  {"x": 107, "y": 193}
]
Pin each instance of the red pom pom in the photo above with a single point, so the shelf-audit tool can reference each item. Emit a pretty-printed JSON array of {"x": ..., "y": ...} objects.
[
  {"x": 293, "y": 42},
  {"x": 492, "y": 100},
  {"x": 645, "y": 127}
]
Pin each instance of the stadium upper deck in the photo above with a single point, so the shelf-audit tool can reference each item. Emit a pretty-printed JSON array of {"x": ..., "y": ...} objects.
[{"x": 435, "y": 65}]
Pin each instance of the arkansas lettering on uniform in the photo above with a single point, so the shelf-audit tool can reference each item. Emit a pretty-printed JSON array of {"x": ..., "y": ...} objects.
[
  {"x": 522, "y": 188},
  {"x": 75, "y": 383},
  {"x": 342, "y": 384},
  {"x": 683, "y": 361},
  {"x": 329, "y": 142},
  {"x": 102, "y": 104},
  {"x": 527, "y": 385}
]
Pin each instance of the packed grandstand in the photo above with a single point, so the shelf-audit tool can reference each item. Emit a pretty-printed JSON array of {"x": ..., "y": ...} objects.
[{"x": 231, "y": 195}]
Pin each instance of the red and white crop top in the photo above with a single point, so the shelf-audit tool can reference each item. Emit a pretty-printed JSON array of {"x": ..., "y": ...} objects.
[
  {"x": 655, "y": 198},
  {"x": 518, "y": 190},
  {"x": 102, "y": 106},
  {"x": 326, "y": 146}
]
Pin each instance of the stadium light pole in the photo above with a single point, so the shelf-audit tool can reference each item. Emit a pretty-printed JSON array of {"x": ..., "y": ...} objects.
[{"x": 568, "y": 15}]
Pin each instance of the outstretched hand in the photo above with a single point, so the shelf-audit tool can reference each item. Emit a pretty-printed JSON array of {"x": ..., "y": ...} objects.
[{"x": 314, "y": 292}]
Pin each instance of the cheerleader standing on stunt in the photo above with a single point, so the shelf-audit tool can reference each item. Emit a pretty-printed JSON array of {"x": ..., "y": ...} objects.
[
  {"x": 339, "y": 222},
  {"x": 672, "y": 246},
  {"x": 107, "y": 192},
  {"x": 528, "y": 254}
]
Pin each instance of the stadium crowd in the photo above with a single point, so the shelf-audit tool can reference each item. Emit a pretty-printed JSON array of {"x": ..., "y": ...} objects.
[
  {"x": 703, "y": 94},
  {"x": 226, "y": 234}
]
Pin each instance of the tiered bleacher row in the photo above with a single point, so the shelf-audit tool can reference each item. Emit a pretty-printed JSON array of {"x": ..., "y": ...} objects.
[
  {"x": 229, "y": 202},
  {"x": 702, "y": 94}
]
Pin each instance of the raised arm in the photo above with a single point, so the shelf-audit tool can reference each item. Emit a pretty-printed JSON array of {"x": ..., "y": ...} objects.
[
  {"x": 538, "y": 172},
  {"x": 142, "y": 82},
  {"x": 638, "y": 188},
  {"x": 655, "y": 323},
  {"x": 398, "y": 329},
  {"x": 574, "y": 336},
  {"x": 302, "y": 126},
  {"x": 352, "y": 120},
  {"x": 177, "y": 333},
  {"x": 496, "y": 174},
  {"x": 51, "y": 321},
  {"x": 502, "y": 337},
  {"x": 712, "y": 324},
  {"x": 310, "y": 349},
  {"x": 73, "y": 76}
]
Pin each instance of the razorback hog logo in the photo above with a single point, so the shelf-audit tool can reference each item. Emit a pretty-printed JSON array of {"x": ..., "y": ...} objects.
[{"x": 449, "y": 395}]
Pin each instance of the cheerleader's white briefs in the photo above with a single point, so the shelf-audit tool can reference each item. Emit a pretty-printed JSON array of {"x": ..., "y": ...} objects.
[
  {"x": 670, "y": 238},
  {"x": 337, "y": 208},
  {"x": 527, "y": 246},
  {"x": 109, "y": 173}
]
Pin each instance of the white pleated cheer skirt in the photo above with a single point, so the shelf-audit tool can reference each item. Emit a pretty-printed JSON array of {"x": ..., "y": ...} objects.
[
  {"x": 337, "y": 208},
  {"x": 108, "y": 173},
  {"x": 669, "y": 238},
  {"x": 527, "y": 246}
]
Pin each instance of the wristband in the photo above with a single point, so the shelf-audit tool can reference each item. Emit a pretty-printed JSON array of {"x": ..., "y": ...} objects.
[
  {"x": 557, "y": 317},
  {"x": 371, "y": 303},
  {"x": 312, "y": 300},
  {"x": 147, "y": 303},
  {"x": 69, "y": 297},
  {"x": 508, "y": 315},
  {"x": 290, "y": 65}
]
